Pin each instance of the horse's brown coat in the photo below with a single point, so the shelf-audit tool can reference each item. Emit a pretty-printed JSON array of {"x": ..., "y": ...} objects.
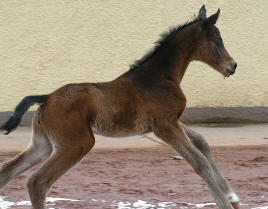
[{"x": 146, "y": 98}]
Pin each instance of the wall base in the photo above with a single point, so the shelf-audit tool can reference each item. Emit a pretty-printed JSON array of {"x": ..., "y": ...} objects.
[
  {"x": 194, "y": 115},
  {"x": 225, "y": 115}
]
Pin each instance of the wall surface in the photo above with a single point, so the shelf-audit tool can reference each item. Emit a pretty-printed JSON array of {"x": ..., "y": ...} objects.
[{"x": 46, "y": 44}]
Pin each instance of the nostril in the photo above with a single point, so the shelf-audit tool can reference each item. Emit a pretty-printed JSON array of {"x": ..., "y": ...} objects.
[{"x": 235, "y": 65}]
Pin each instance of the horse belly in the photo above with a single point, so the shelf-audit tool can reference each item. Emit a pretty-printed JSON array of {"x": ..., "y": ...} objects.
[{"x": 108, "y": 127}]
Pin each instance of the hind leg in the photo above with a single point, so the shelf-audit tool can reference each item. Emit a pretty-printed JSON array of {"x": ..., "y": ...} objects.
[
  {"x": 200, "y": 143},
  {"x": 67, "y": 152},
  {"x": 38, "y": 150}
]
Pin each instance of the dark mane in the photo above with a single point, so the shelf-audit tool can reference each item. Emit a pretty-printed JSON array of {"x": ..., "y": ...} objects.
[{"x": 164, "y": 39}]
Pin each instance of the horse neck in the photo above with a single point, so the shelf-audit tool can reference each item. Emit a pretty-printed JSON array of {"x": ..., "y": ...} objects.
[{"x": 176, "y": 56}]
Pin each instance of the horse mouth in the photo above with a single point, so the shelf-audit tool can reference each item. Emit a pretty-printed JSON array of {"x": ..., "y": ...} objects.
[{"x": 227, "y": 73}]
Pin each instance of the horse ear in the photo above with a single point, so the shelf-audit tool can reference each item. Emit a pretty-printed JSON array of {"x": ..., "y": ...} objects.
[
  {"x": 202, "y": 13},
  {"x": 212, "y": 19}
]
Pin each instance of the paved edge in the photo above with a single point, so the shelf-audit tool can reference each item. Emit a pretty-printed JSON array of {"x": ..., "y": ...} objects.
[{"x": 256, "y": 114}]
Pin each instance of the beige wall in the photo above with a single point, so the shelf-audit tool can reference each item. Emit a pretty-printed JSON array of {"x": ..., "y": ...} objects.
[{"x": 45, "y": 44}]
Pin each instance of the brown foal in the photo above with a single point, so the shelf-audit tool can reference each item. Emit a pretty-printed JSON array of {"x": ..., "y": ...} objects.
[{"x": 146, "y": 98}]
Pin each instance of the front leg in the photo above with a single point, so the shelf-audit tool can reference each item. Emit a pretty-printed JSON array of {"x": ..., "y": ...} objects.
[
  {"x": 201, "y": 144},
  {"x": 173, "y": 134}
]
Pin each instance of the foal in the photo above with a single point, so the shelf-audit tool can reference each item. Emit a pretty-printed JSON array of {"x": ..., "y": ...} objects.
[{"x": 146, "y": 98}]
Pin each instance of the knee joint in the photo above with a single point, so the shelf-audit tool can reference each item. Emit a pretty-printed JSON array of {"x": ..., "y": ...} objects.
[{"x": 34, "y": 183}]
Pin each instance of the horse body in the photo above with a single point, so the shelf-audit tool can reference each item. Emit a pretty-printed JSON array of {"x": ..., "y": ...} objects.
[
  {"x": 113, "y": 108},
  {"x": 147, "y": 98}
]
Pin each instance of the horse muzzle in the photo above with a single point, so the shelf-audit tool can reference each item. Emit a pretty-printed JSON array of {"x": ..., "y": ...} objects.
[{"x": 230, "y": 68}]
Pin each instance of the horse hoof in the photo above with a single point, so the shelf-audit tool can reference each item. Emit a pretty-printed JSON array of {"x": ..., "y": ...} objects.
[{"x": 235, "y": 205}]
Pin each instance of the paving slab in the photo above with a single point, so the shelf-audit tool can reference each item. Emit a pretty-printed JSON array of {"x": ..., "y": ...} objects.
[{"x": 216, "y": 135}]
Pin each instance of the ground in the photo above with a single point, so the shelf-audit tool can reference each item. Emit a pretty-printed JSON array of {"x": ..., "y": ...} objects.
[{"x": 141, "y": 172}]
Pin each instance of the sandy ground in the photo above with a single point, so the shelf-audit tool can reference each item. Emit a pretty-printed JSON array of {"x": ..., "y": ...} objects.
[{"x": 139, "y": 172}]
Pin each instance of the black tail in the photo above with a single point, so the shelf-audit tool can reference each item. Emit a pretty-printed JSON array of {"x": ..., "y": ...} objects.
[{"x": 20, "y": 109}]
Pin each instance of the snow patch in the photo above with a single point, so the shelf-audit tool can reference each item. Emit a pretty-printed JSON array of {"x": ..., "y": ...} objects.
[
  {"x": 261, "y": 207},
  {"x": 198, "y": 205},
  {"x": 4, "y": 204},
  {"x": 139, "y": 204}
]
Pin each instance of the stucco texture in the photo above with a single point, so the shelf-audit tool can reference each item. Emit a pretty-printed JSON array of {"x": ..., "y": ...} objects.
[{"x": 46, "y": 44}]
